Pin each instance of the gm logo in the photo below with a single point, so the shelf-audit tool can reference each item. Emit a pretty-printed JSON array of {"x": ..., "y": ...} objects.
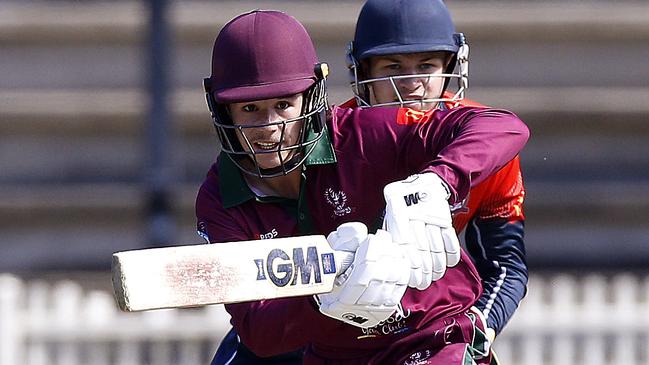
[
  {"x": 415, "y": 198},
  {"x": 298, "y": 266}
]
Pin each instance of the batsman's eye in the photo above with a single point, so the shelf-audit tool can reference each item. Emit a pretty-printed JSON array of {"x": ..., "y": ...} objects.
[
  {"x": 283, "y": 105},
  {"x": 428, "y": 66},
  {"x": 249, "y": 108},
  {"x": 393, "y": 67}
]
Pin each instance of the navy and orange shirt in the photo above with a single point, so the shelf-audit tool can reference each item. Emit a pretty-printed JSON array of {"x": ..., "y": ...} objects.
[
  {"x": 342, "y": 181},
  {"x": 493, "y": 219}
]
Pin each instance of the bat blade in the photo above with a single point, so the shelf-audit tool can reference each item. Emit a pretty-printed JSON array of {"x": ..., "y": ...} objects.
[{"x": 196, "y": 275}]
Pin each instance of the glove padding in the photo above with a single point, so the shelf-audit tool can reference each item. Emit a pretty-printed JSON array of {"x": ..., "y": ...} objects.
[
  {"x": 370, "y": 291},
  {"x": 419, "y": 218}
]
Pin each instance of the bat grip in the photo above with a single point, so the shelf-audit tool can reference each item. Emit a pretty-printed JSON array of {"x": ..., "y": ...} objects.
[{"x": 344, "y": 260}]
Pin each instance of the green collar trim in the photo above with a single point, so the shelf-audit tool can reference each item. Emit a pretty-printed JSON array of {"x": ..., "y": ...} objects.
[
  {"x": 323, "y": 152},
  {"x": 235, "y": 190}
]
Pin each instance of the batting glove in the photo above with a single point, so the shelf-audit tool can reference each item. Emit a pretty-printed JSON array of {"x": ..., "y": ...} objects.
[
  {"x": 419, "y": 218},
  {"x": 370, "y": 291}
]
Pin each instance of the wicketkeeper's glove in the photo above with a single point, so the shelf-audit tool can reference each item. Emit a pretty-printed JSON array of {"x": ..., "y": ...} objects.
[
  {"x": 370, "y": 291},
  {"x": 419, "y": 218}
]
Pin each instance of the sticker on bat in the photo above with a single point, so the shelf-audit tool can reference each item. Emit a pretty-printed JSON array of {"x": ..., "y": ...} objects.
[{"x": 283, "y": 269}]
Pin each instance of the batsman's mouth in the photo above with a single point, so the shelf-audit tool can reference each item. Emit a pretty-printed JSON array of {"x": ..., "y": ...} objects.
[{"x": 266, "y": 146}]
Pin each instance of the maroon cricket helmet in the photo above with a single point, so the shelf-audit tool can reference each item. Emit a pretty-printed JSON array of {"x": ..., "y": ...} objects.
[
  {"x": 266, "y": 54},
  {"x": 260, "y": 55}
]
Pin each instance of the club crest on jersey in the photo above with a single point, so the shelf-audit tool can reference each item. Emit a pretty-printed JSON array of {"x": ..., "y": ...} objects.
[
  {"x": 338, "y": 199},
  {"x": 282, "y": 269}
]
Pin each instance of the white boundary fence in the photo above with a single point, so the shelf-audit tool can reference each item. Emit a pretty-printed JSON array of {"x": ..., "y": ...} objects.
[
  {"x": 62, "y": 325},
  {"x": 565, "y": 319},
  {"x": 580, "y": 319}
]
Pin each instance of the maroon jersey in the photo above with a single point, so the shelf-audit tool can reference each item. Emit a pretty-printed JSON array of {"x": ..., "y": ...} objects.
[{"x": 362, "y": 151}]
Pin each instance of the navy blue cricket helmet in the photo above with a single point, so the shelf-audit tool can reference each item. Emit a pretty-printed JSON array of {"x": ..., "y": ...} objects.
[{"x": 386, "y": 27}]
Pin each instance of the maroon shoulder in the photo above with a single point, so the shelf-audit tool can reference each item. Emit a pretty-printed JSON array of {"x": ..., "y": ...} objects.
[
  {"x": 208, "y": 193},
  {"x": 214, "y": 222},
  {"x": 351, "y": 121}
]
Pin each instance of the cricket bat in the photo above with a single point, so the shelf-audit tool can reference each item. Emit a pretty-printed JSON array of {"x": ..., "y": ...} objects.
[{"x": 231, "y": 272}]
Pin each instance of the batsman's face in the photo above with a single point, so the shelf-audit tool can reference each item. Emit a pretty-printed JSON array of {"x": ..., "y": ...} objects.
[
  {"x": 416, "y": 79},
  {"x": 269, "y": 128}
]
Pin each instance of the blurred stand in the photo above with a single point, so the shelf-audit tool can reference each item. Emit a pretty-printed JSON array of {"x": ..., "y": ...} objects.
[
  {"x": 86, "y": 151},
  {"x": 159, "y": 180}
]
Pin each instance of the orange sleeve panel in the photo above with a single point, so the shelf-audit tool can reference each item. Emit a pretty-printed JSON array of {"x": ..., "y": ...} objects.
[
  {"x": 463, "y": 102},
  {"x": 501, "y": 196}
]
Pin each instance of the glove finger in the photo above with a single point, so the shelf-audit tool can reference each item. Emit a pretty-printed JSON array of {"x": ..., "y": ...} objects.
[
  {"x": 355, "y": 232},
  {"x": 351, "y": 293},
  {"x": 402, "y": 268},
  {"x": 452, "y": 246},
  {"x": 423, "y": 257},
  {"x": 347, "y": 236},
  {"x": 397, "y": 223},
  {"x": 380, "y": 294},
  {"x": 420, "y": 232},
  {"x": 436, "y": 251},
  {"x": 414, "y": 262},
  {"x": 388, "y": 297},
  {"x": 371, "y": 257},
  {"x": 372, "y": 295},
  {"x": 398, "y": 292},
  {"x": 333, "y": 239}
]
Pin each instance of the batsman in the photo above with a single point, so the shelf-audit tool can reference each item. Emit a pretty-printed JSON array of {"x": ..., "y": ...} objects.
[{"x": 291, "y": 165}]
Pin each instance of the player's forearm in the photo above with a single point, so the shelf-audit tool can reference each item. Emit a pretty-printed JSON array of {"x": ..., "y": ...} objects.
[
  {"x": 273, "y": 327},
  {"x": 484, "y": 140},
  {"x": 499, "y": 305},
  {"x": 499, "y": 253}
]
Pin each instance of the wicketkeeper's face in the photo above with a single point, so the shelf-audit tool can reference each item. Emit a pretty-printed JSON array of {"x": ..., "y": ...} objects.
[
  {"x": 269, "y": 128},
  {"x": 408, "y": 77}
]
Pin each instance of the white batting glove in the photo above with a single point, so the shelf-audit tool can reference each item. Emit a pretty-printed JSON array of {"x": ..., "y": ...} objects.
[
  {"x": 419, "y": 218},
  {"x": 371, "y": 289},
  {"x": 348, "y": 236}
]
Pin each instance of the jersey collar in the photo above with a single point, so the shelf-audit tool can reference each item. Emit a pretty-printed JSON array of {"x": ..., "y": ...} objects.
[{"x": 235, "y": 190}]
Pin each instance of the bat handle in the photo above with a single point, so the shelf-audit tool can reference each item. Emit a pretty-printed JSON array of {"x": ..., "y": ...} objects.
[{"x": 344, "y": 260}]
